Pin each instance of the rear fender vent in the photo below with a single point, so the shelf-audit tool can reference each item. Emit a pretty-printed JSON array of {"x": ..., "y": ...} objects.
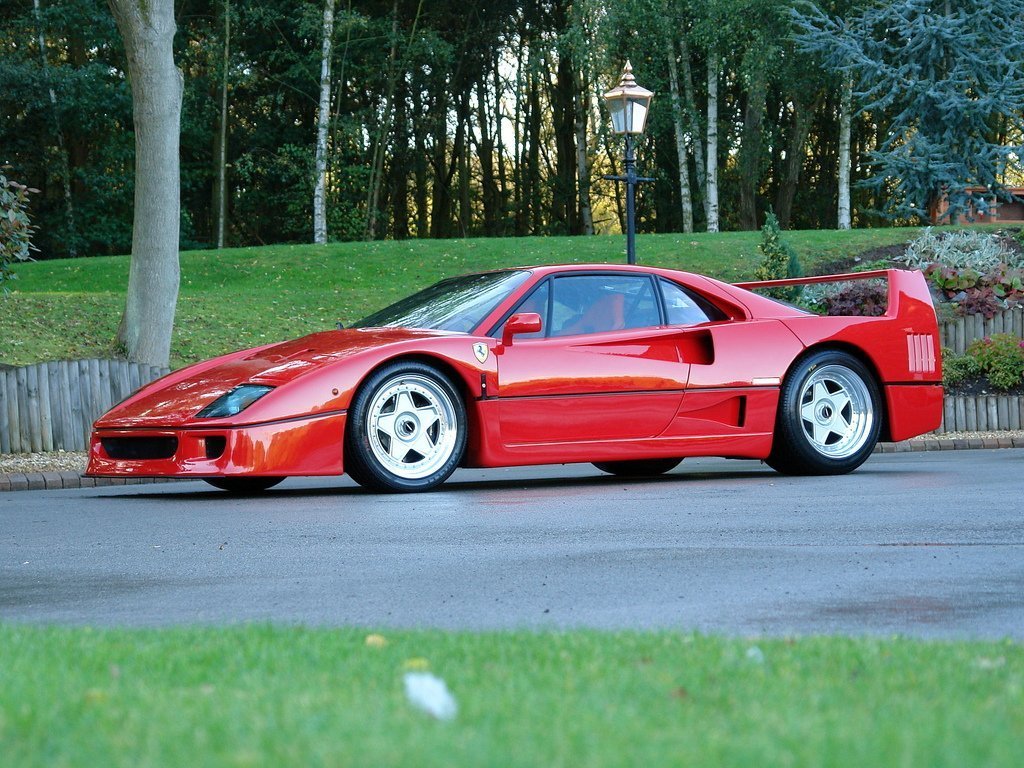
[
  {"x": 139, "y": 448},
  {"x": 921, "y": 353}
]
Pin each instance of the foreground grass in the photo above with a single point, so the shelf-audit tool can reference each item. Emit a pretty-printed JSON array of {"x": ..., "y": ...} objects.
[
  {"x": 276, "y": 696},
  {"x": 242, "y": 297}
]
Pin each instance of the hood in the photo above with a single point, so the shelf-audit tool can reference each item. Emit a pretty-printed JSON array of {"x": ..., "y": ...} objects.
[{"x": 177, "y": 398}]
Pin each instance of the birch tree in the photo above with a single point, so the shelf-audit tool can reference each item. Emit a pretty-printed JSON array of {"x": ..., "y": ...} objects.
[
  {"x": 148, "y": 28},
  {"x": 323, "y": 119},
  {"x": 711, "y": 183},
  {"x": 845, "y": 118}
]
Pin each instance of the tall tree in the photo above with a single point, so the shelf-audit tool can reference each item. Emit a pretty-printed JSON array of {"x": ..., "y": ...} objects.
[
  {"x": 148, "y": 27},
  {"x": 947, "y": 73}
]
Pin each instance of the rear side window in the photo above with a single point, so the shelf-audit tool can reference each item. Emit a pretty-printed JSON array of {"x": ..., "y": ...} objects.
[{"x": 683, "y": 307}]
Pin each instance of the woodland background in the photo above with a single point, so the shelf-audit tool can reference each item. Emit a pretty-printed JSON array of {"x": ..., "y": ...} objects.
[{"x": 447, "y": 119}]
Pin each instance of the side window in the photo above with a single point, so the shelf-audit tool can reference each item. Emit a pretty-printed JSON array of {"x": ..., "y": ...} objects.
[
  {"x": 537, "y": 302},
  {"x": 685, "y": 308},
  {"x": 597, "y": 303}
]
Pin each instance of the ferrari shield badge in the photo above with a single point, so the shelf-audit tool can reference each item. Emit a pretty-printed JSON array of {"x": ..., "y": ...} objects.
[{"x": 481, "y": 351}]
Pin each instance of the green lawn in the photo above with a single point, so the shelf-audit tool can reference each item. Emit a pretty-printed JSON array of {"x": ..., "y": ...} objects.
[
  {"x": 242, "y": 297},
  {"x": 298, "y": 697}
]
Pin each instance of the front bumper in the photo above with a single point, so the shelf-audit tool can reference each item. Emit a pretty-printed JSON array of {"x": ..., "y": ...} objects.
[{"x": 304, "y": 447}]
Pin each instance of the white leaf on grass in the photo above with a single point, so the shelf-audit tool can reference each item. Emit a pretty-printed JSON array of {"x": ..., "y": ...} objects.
[
  {"x": 755, "y": 654},
  {"x": 429, "y": 694}
]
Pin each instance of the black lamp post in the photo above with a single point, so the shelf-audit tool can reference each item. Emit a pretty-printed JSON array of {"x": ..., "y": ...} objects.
[{"x": 629, "y": 104}]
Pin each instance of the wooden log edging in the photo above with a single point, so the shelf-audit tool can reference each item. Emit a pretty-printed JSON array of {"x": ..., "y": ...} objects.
[
  {"x": 959, "y": 332},
  {"x": 981, "y": 413},
  {"x": 51, "y": 406}
]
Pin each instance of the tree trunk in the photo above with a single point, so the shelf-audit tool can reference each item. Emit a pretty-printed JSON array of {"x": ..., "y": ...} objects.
[
  {"x": 62, "y": 150},
  {"x": 750, "y": 148},
  {"x": 712, "y": 165},
  {"x": 582, "y": 171},
  {"x": 222, "y": 141},
  {"x": 380, "y": 146},
  {"x": 485, "y": 149},
  {"x": 323, "y": 120},
  {"x": 845, "y": 108},
  {"x": 148, "y": 31},
  {"x": 803, "y": 115},
  {"x": 685, "y": 199},
  {"x": 696, "y": 146}
]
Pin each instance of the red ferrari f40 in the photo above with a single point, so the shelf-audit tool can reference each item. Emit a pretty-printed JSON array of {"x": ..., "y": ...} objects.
[{"x": 630, "y": 368}]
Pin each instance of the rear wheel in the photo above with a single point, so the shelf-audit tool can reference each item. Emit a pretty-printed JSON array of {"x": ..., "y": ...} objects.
[
  {"x": 638, "y": 467},
  {"x": 829, "y": 416},
  {"x": 407, "y": 429},
  {"x": 243, "y": 484}
]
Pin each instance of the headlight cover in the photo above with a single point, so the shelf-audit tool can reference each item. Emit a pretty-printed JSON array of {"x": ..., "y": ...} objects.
[{"x": 233, "y": 402}]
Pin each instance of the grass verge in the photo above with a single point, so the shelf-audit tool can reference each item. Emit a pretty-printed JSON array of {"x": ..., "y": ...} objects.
[
  {"x": 243, "y": 297},
  {"x": 261, "y": 695}
]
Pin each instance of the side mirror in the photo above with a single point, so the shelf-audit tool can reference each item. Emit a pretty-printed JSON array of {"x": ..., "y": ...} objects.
[{"x": 523, "y": 322}]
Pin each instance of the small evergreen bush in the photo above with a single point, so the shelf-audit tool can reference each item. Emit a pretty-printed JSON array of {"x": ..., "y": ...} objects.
[{"x": 778, "y": 260}]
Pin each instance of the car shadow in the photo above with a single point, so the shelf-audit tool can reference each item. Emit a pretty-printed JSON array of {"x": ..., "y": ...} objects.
[{"x": 469, "y": 485}]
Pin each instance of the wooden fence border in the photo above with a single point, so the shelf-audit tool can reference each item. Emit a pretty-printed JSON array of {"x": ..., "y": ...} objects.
[{"x": 51, "y": 406}]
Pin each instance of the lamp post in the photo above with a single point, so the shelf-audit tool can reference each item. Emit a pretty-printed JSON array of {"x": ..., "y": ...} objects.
[{"x": 629, "y": 104}]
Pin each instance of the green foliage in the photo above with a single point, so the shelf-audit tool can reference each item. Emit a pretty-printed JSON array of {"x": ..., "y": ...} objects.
[
  {"x": 956, "y": 369},
  {"x": 778, "y": 260},
  {"x": 1001, "y": 358},
  {"x": 15, "y": 228}
]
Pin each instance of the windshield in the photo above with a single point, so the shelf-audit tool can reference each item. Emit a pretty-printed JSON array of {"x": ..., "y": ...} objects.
[{"x": 455, "y": 304}]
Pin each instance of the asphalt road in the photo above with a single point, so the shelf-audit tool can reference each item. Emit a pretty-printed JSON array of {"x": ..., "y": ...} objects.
[{"x": 923, "y": 544}]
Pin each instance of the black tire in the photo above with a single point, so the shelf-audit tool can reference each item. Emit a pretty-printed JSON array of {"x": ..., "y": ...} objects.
[
  {"x": 243, "y": 484},
  {"x": 829, "y": 416},
  {"x": 638, "y": 467},
  {"x": 400, "y": 408}
]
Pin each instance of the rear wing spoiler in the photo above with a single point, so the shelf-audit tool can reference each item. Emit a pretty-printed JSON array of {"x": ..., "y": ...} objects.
[
  {"x": 908, "y": 292},
  {"x": 886, "y": 273}
]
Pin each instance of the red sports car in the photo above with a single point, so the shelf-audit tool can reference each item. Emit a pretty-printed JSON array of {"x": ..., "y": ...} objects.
[{"x": 630, "y": 368}]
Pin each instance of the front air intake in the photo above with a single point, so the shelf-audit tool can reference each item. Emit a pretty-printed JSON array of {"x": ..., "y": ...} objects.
[{"x": 139, "y": 448}]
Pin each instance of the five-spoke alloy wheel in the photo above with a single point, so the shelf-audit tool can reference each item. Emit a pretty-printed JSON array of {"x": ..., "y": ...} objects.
[
  {"x": 829, "y": 416},
  {"x": 406, "y": 430}
]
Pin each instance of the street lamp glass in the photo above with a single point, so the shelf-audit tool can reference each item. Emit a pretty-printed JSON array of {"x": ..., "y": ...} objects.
[{"x": 628, "y": 104}]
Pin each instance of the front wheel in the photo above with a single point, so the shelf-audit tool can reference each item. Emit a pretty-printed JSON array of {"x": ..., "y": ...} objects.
[
  {"x": 407, "y": 429},
  {"x": 243, "y": 484},
  {"x": 829, "y": 416},
  {"x": 637, "y": 467}
]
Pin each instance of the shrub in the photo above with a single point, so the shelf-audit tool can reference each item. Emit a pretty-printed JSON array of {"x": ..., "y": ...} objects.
[
  {"x": 15, "y": 228},
  {"x": 973, "y": 270},
  {"x": 961, "y": 250},
  {"x": 778, "y": 261},
  {"x": 1001, "y": 357},
  {"x": 867, "y": 298},
  {"x": 956, "y": 369}
]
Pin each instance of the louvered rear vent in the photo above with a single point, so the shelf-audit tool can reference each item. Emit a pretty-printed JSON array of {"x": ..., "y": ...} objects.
[{"x": 921, "y": 353}]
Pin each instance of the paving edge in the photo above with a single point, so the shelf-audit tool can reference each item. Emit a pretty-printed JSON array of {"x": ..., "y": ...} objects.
[{"x": 52, "y": 481}]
